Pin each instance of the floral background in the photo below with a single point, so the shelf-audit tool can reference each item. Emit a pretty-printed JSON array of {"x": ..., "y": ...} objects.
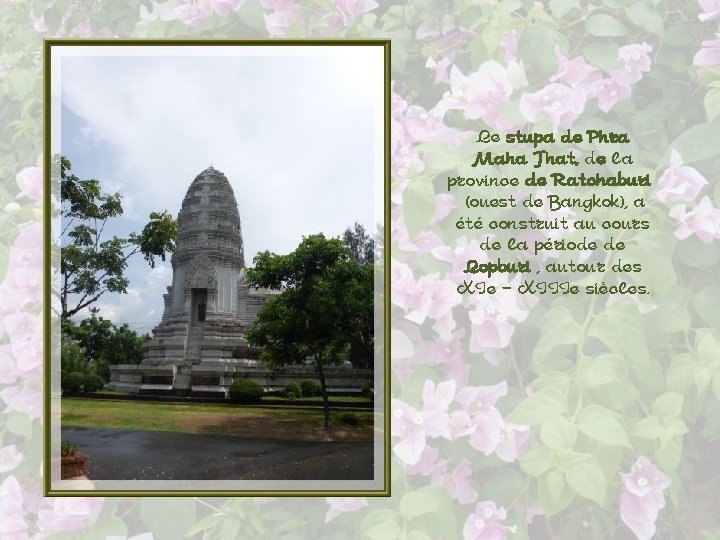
[{"x": 513, "y": 416}]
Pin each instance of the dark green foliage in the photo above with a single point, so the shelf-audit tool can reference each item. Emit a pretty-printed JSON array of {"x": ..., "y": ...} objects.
[
  {"x": 325, "y": 305},
  {"x": 104, "y": 343},
  {"x": 73, "y": 382},
  {"x": 367, "y": 390},
  {"x": 68, "y": 448},
  {"x": 93, "y": 383},
  {"x": 292, "y": 391},
  {"x": 91, "y": 265},
  {"x": 309, "y": 388},
  {"x": 348, "y": 419},
  {"x": 246, "y": 391}
]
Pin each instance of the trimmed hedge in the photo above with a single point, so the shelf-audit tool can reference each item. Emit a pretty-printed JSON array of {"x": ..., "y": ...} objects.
[
  {"x": 93, "y": 383},
  {"x": 73, "y": 382},
  {"x": 309, "y": 388},
  {"x": 246, "y": 391},
  {"x": 292, "y": 391}
]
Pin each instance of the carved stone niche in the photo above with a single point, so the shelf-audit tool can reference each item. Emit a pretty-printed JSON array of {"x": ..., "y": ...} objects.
[{"x": 201, "y": 274}]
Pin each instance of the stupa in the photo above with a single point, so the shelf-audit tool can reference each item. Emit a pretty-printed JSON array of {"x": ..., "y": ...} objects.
[{"x": 199, "y": 346}]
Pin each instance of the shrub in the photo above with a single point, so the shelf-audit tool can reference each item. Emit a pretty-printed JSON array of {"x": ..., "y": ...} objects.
[
  {"x": 292, "y": 391},
  {"x": 348, "y": 419},
  {"x": 309, "y": 388},
  {"x": 73, "y": 382},
  {"x": 93, "y": 383},
  {"x": 68, "y": 448},
  {"x": 367, "y": 390},
  {"x": 246, "y": 391}
]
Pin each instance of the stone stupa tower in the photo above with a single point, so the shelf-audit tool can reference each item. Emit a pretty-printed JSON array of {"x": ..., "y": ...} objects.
[
  {"x": 199, "y": 346},
  {"x": 208, "y": 306}
]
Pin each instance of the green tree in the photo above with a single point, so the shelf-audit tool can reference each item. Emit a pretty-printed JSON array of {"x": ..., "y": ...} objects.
[
  {"x": 319, "y": 309},
  {"x": 90, "y": 265},
  {"x": 363, "y": 249},
  {"x": 102, "y": 343}
]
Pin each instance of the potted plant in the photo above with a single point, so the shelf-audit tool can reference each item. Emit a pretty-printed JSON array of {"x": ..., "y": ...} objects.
[{"x": 72, "y": 461}]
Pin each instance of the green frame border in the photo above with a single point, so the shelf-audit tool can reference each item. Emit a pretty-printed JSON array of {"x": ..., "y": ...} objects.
[{"x": 47, "y": 45}]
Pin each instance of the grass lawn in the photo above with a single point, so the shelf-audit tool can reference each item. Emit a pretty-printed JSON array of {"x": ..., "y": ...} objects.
[{"x": 295, "y": 424}]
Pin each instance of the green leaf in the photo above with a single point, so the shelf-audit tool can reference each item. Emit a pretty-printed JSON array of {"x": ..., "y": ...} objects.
[
  {"x": 645, "y": 17},
  {"x": 425, "y": 500},
  {"x": 603, "y": 426},
  {"x": 603, "y": 25},
  {"x": 700, "y": 142},
  {"x": 19, "y": 423},
  {"x": 558, "y": 432},
  {"x": 537, "y": 461},
  {"x": 708, "y": 348},
  {"x": 668, "y": 405},
  {"x": 382, "y": 517},
  {"x": 712, "y": 104},
  {"x": 680, "y": 372},
  {"x": 706, "y": 302},
  {"x": 560, "y": 8},
  {"x": 702, "y": 377},
  {"x": 552, "y": 498},
  {"x": 551, "y": 339},
  {"x": 383, "y": 531},
  {"x": 716, "y": 384},
  {"x": 648, "y": 428},
  {"x": 669, "y": 455},
  {"x": 546, "y": 402},
  {"x": 168, "y": 518},
  {"x": 418, "y": 207},
  {"x": 586, "y": 478},
  {"x": 207, "y": 523},
  {"x": 604, "y": 369}
]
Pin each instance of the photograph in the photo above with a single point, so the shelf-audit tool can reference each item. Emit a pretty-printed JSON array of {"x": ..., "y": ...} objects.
[{"x": 217, "y": 241}]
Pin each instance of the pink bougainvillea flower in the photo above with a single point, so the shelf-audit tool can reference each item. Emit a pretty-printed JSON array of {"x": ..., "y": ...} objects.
[
  {"x": 440, "y": 68},
  {"x": 224, "y": 7},
  {"x": 352, "y": 10},
  {"x": 427, "y": 463},
  {"x": 339, "y": 505},
  {"x": 285, "y": 13},
  {"x": 486, "y": 523},
  {"x": 493, "y": 317},
  {"x": 12, "y": 514},
  {"x": 10, "y": 457},
  {"x": 559, "y": 103},
  {"x": 711, "y": 10},
  {"x": 25, "y": 397},
  {"x": 408, "y": 424},
  {"x": 69, "y": 514},
  {"x": 30, "y": 180},
  {"x": 642, "y": 497},
  {"x": 703, "y": 220},
  {"x": 436, "y": 400},
  {"x": 485, "y": 421},
  {"x": 709, "y": 55},
  {"x": 610, "y": 91},
  {"x": 577, "y": 73},
  {"x": 480, "y": 95},
  {"x": 456, "y": 483},
  {"x": 637, "y": 61},
  {"x": 192, "y": 13},
  {"x": 679, "y": 182},
  {"x": 513, "y": 442},
  {"x": 449, "y": 354},
  {"x": 509, "y": 44}
]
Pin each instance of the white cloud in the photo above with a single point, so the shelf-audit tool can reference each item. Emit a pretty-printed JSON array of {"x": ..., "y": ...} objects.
[{"x": 293, "y": 134}]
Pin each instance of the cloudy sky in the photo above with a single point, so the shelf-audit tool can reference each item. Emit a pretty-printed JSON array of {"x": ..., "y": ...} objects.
[{"x": 297, "y": 131}]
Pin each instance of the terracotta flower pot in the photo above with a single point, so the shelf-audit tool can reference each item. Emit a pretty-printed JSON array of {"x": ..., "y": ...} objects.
[{"x": 72, "y": 466}]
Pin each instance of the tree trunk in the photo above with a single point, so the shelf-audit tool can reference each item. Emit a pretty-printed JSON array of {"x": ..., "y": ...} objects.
[{"x": 326, "y": 403}]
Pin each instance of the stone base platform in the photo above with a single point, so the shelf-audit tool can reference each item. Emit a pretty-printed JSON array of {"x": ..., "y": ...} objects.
[{"x": 213, "y": 379}]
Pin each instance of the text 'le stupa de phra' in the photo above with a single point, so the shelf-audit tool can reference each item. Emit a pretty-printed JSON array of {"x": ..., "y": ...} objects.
[{"x": 199, "y": 346}]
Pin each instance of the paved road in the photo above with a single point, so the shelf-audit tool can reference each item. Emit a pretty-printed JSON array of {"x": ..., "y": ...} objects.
[{"x": 119, "y": 454}]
